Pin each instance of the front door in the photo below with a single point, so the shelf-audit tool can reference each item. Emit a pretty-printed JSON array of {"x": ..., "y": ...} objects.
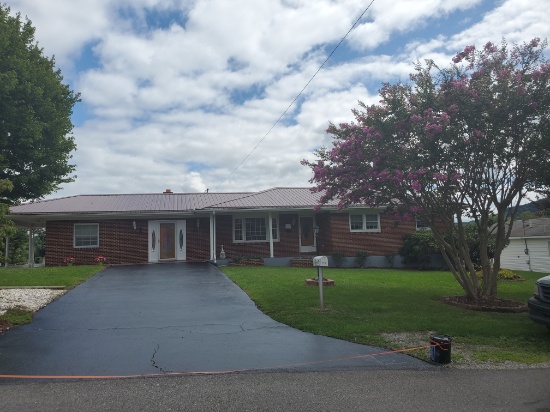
[
  {"x": 307, "y": 236},
  {"x": 167, "y": 240},
  {"x": 167, "y": 248}
]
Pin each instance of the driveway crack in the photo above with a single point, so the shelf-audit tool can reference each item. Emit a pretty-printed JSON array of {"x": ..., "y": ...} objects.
[{"x": 153, "y": 362}]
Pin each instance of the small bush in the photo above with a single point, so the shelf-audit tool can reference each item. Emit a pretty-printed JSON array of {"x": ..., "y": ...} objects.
[
  {"x": 417, "y": 249},
  {"x": 338, "y": 258},
  {"x": 503, "y": 274},
  {"x": 507, "y": 274},
  {"x": 361, "y": 258}
]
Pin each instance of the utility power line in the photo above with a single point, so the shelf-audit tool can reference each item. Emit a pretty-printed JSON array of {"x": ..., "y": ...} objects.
[{"x": 297, "y": 96}]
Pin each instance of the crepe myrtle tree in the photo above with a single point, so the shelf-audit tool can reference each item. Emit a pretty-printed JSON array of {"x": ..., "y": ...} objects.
[{"x": 465, "y": 142}]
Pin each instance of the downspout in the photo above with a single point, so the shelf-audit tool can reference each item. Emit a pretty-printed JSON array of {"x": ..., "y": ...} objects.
[
  {"x": 528, "y": 254},
  {"x": 270, "y": 235}
]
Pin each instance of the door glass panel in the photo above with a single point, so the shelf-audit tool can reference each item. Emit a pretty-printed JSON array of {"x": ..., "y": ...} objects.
[
  {"x": 306, "y": 232},
  {"x": 167, "y": 237}
]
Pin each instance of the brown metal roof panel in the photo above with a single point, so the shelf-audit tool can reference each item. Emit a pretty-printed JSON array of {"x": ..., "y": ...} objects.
[
  {"x": 275, "y": 198},
  {"x": 125, "y": 203},
  {"x": 531, "y": 228}
]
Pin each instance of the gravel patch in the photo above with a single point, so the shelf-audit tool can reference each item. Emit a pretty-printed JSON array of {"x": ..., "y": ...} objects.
[
  {"x": 462, "y": 354},
  {"x": 28, "y": 299}
]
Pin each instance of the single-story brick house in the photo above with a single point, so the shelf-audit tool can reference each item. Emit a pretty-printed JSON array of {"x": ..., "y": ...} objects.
[{"x": 275, "y": 224}]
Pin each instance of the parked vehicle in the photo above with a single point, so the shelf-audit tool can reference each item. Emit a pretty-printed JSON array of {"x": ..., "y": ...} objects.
[{"x": 539, "y": 303}]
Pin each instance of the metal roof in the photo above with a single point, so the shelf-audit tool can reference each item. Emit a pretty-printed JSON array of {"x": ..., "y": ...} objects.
[
  {"x": 276, "y": 198},
  {"x": 531, "y": 228},
  {"x": 125, "y": 203}
]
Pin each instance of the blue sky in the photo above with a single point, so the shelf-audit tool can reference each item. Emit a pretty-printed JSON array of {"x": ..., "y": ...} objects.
[{"x": 176, "y": 93}]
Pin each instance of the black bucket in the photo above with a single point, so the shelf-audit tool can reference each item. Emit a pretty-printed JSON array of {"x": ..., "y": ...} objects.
[{"x": 440, "y": 348}]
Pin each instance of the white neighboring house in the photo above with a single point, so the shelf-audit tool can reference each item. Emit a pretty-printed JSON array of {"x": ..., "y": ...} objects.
[{"x": 529, "y": 247}]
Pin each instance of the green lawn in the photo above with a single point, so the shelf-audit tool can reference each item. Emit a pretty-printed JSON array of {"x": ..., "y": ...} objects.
[
  {"x": 397, "y": 309},
  {"x": 66, "y": 276}
]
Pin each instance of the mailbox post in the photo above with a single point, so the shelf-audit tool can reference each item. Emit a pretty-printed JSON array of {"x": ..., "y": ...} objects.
[{"x": 320, "y": 262}]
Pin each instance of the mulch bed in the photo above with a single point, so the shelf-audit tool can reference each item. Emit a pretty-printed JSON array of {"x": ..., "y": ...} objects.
[{"x": 497, "y": 305}]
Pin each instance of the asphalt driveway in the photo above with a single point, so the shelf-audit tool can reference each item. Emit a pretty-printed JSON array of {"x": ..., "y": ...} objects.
[{"x": 184, "y": 317}]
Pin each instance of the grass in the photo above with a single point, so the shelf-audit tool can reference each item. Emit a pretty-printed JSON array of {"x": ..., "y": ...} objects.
[
  {"x": 66, "y": 276},
  {"x": 398, "y": 309}
]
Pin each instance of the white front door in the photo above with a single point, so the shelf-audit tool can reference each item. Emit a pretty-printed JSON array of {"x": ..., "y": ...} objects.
[{"x": 167, "y": 240}]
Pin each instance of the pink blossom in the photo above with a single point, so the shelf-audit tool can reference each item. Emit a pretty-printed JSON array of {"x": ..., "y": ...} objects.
[
  {"x": 453, "y": 109},
  {"x": 458, "y": 58},
  {"x": 478, "y": 133},
  {"x": 416, "y": 186},
  {"x": 459, "y": 84},
  {"x": 535, "y": 42},
  {"x": 536, "y": 74},
  {"x": 416, "y": 118},
  {"x": 490, "y": 47},
  {"x": 439, "y": 176},
  {"x": 469, "y": 49},
  {"x": 503, "y": 74},
  {"x": 433, "y": 128}
]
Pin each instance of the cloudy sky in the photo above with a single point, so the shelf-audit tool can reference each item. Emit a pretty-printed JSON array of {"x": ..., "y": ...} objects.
[{"x": 178, "y": 93}]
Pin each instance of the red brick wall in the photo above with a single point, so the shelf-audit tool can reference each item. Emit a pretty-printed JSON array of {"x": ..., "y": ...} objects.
[
  {"x": 118, "y": 242},
  {"x": 334, "y": 235},
  {"x": 198, "y": 239}
]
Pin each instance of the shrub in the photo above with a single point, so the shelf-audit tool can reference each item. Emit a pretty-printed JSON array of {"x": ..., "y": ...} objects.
[
  {"x": 361, "y": 258},
  {"x": 338, "y": 258},
  {"x": 503, "y": 274},
  {"x": 418, "y": 247},
  {"x": 390, "y": 258}
]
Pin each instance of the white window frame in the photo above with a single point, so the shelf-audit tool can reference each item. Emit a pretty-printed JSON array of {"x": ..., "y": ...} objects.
[
  {"x": 242, "y": 219},
  {"x": 364, "y": 222},
  {"x": 423, "y": 225},
  {"x": 75, "y": 236}
]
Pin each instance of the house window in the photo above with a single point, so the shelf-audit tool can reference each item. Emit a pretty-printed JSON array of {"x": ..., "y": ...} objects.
[
  {"x": 86, "y": 235},
  {"x": 254, "y": 229},
  {"x": 364, "y": 222},
  {"x": 422, "y": 225}
]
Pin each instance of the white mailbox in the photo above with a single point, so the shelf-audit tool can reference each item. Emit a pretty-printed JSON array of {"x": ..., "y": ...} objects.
[{"x": 320, "y": 261}]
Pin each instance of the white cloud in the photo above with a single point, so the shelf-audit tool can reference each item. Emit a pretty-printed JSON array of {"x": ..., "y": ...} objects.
[{"x": 179, "y": 92}]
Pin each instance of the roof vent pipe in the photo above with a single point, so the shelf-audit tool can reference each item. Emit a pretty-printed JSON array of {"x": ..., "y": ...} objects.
[{"x": 168, "y": 191}]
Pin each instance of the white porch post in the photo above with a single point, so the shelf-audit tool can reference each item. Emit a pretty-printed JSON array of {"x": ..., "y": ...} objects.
[
  {"x": 270, "y": 235},
  {"x": 7, "y": 255},
  {"x": 31, "y": 247},
  {"x": 213, "y": 237}
]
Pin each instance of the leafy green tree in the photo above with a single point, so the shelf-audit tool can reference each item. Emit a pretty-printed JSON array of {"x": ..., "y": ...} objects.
[
  {"x": 463, "y": 141},
  {"x": 7, "y": 228},
  {"x": 18, "y": 253},
  {"x": 35, "y": 111}
]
